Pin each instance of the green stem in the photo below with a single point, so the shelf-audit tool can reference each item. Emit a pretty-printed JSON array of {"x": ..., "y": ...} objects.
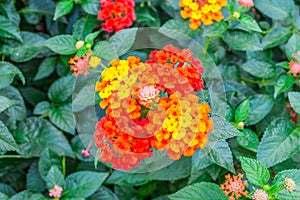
[
  {"x": 95, "y": 70},
  {"x": 13, "y": 156},
  {"x": 258, "y": 82},
  {"x": 3, "y": 57},
  {"x": 64, "y": 165},
  {"x": 206, "y": 45},
  {"x": 102, "y": 66},
  {"x": 44, "y": 115}
]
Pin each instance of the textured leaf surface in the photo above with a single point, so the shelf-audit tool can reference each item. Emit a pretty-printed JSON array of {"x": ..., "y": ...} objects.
[
  {"x": 84, "y": 183},
  {"x": 256, "y": 173},
  {"x": 200, "y": 191},
  {"x": 280, "y": 141},
  {"x": 294, "y": 98},
  {"x": 260, "y": 106}
]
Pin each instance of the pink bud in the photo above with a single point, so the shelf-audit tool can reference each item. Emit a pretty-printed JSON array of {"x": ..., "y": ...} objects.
[{"x": 85, "y": 153}]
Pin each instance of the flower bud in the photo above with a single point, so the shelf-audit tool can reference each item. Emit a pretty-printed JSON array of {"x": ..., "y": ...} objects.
[
  {"x": 260, "y": 195},
  {"x": 289, "y": 184},
  {"x": 241, "y": 125},
  {"x": 236, "y": 15},
  {"x": 79, "y": 44}
]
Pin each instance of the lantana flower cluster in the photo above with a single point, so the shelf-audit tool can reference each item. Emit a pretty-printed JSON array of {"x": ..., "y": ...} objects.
[
  {"x": 202, "y": 11},
  {"x": 116, "y": 14},
  {"x": 234, "y": 186},
  {"x": 151, "y": 106},
  {"x": 295, "y": 65}
]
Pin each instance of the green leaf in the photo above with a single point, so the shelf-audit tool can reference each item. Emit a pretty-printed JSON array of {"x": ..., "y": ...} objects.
[
  {"x": 177, "y": 29},
  {"x": 219, "y": 153},
  {"x": 216, "y": 29},
  {"x": 177, "y": 170},
  {"x": 276, "y": 37},
  {"x": 7, "y": 141},
  {"x": 62, "y": 44},
  {"x": 84, "y": 183},
  {"x": 123, "y": 40},
  {"x": 61, "y": 89},
  {"x": 5, "y": 103},
  {"x": 260, "y": 106},
  {"x": 3, "y": 196},
  {"x": 16, "y": 111},
  {"x": 22, "y": 52},
  {"x": 37, "y": 9},
  {"x": 256, "y": 173},
  {"x": 128, "y": 179},
  {"x": 260, "y": 68},
  {"x": 62, "y": 117},
  {"x": 10, "y": 11},
  {"x": 105, "y": 50},
  {"x": 90, "y": 6},
  {"x": 91, "y": 37},
  {"x": 9, "y": 30},
  {"x": 242, "y": 41},
  {"x": 214, "y": 171},
  {"x": 103, "y": 193},
  {"x": 6, "y": 189},
  {"x": 276, "y": 9},
  {"x": 83, "y": 26},
  {"x": 34, "y": 180},
  {"x": 143, "y": 15},
  {"x": 54, "y": 177},
  {"x": 283, "y": 83},
  {"x": 248, "y": 140},
  {"x": 42, "y": 108},
  {"x": 7, "y": 73},
  {"x": 203, "y": 190},
  {"x": 249, "y": 22},
  {"x": 46, "y": 68},
  {"x": 200, "y": 161},
  {"x": 242, "y": 111},
  {"x": 279, "y": 180},
  {"x": 27, "y": 194},
  {"x": 40, "y": 135},
  {"x": 293, "y": 46},
  {"x": 280, "y": 142},
  {"x": 294, "y": 98},
  {"x": 47, "y": 160},
  {"x": 33, "y": 95},
  {"x": 63, "y": 7},
  {"x": 84, "y": 98},
  {"x": 222, "y": 129}
]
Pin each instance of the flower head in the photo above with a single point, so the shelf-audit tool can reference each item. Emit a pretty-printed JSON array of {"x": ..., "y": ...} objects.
[
  {"x": 260, "y": 195},
  {"x": 246, "y": 3},
  {"x": 117, "y": 15},
  {"x": 56, "y": 191},
  {"x": 295, "y": 67},
  {"x": 234, "y": 186},
  {"x": 200, "y": 11},
  {"x": 289, "y": 184},
  {"x": 80, "y": 65},
  {"x": 147, "y": 95}
]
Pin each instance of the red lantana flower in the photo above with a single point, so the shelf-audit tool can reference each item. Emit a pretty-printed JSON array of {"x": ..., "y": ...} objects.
[{"x": 116, "y": 14}]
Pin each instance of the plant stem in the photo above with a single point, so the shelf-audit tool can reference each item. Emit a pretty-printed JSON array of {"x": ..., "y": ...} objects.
[
  {"x": 102, "y": 66},
  {"x": 206, "y": 45},
  {"x": 14, "y": 156},
  {"x": 64, "y": 165},
  {"x": 44, "y": 115},
  {"x": 258, "y": 82},
  {"x": 95, "y": 70}
]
